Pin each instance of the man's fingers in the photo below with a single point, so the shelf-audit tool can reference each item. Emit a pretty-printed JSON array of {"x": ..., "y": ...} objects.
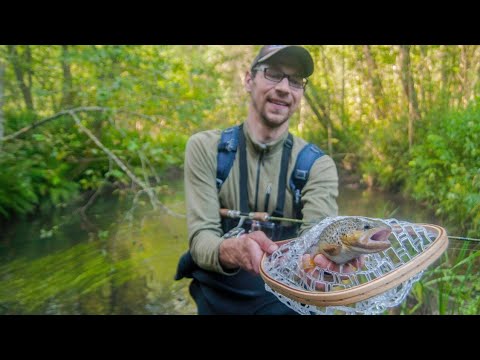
[
  {"x": 256, "y": 260},
  {"x": 353, "y": 265},
  {"x": 348, "y": 268},
  {"x": 360, "y": 261},
  {"x": 263, "y": 241},
  {"x": 252, "y": 247},
  {"x": 323, "y": 262}
]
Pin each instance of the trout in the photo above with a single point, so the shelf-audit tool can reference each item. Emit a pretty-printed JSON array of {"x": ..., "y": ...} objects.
[{"x": 348, "y": 238}]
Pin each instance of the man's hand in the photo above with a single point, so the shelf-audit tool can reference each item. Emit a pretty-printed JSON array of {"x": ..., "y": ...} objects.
[
  {"x": 323, "y": 262},
  {"x": 246, "y": 251},
  {"x": 353, "y": 265}
]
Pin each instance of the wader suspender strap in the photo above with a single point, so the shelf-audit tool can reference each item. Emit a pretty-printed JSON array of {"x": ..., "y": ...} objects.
[
  {"x": 282, "y": 179},
  {"x": 243, "y": 173}
]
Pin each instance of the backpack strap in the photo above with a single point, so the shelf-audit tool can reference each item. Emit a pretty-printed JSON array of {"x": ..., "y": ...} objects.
[
  {"x": 243, "y": 172},
  {"x": 227, "y": 149},
  {"x": 305, "y": 159}
]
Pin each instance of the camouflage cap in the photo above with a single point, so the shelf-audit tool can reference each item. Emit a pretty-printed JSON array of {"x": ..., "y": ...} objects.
[{"x": 298, "y": 52}]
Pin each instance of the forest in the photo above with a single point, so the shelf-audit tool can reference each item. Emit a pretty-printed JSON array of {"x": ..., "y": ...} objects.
[{"x": 79, "y": 123}]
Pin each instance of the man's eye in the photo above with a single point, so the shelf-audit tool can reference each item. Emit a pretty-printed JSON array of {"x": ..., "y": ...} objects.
[
  {"x": 276, "y": 74},
  {"x": 296, "y": 81}
]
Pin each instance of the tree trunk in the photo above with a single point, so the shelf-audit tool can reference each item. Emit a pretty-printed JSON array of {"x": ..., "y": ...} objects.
[
  {"x": 319, "y": 109},
  {"x": 327, "y": 104},
  {"x": 315, "y": 108},
  {"x": 327, "y": 71},
  {"x": 301, "y": 117},
  {"x": 67, "y": 86},
  {"x": 2, "y": 82},
  {"x": 18, "y": 68},
  {"x": 446, "y": 67},
  {"x": 408, "y": 87},
  {"x": 342, "y": 100},
  {"x": 426, "y": 78},
  {"x": 376, "y": 88},
  {"x": 466, "y": 60},
  {"x": 476, "y": 86},
  {"x": 28, "y": 67}
]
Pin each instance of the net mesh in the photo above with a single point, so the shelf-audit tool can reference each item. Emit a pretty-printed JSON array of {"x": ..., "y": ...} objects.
[{"x": 407, "y": 241}]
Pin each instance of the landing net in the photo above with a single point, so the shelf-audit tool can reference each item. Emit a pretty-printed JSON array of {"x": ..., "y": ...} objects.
[{"x": 373, "y": 289}]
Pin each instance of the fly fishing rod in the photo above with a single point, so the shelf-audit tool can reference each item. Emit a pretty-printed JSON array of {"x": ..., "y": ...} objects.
[
  {"x": 264, "y": 216},
  {"x": 258, "y": 216}
]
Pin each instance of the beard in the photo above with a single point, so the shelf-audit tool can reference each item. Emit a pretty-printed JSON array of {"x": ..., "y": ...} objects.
[
  {"x": 274, "y": 122},
  {"x": 271, "y": 118}
]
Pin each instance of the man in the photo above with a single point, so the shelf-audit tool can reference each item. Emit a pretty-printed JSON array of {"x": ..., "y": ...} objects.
[{"x": 226, "y": 275}]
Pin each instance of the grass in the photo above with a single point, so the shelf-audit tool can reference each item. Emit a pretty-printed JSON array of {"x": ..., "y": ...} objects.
[{"x": 451, "y": 287}]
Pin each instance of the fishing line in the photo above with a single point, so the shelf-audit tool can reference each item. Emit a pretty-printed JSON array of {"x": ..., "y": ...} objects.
[
  {"x": 463, "y": 238},
  {"x": 264, "y": 216}
]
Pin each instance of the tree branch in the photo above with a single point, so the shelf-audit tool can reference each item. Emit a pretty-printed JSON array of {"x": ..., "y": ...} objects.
[
  {"x": 152, "y": 119},
  {"x": 57, "y": 115},
  {"x": 148, "y": 190},
  {"x": 135, "y": 180}
]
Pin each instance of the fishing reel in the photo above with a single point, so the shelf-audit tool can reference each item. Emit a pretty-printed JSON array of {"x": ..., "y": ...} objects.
[
  {"x": 253, "y": 221},
  {"x": 235, "y": 232},
  {"x": 239, "y": 230}
]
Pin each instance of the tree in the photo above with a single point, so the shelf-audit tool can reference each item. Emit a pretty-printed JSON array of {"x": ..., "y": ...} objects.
[
  {"x": 375, "y": 82},
  {"x": 23, "y": 72},
  {"x": 67, "y": 86},
  {"x": 2, "y": 81},
  {"x": 408, "y": 87}
]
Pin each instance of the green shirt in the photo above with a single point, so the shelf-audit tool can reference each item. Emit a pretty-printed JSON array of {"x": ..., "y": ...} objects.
[{"x": 203, "y": 201}]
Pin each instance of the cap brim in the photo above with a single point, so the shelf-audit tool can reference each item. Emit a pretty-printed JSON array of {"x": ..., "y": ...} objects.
[{"x": 298, "y": 52}]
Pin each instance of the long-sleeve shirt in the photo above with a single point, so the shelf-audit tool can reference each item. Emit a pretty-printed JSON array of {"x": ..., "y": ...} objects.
[{"x": 203, "y": 200}]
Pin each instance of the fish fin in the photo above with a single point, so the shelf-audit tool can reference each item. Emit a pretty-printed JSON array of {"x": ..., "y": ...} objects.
[
  {"x": 307, "y": 262},
  {"x": 331, "y": 249}
]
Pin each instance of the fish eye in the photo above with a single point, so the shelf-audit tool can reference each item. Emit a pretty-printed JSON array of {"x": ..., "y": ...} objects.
[{"x": 367, "y": 226}]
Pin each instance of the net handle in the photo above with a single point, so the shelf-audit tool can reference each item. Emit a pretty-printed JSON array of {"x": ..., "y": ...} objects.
[{"x": 369, "y": 289}]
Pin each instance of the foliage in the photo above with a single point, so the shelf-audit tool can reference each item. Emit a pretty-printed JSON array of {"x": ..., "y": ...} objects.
[
  {"x": 34, "y": 171},
  {"x": 159, "y": 95},
  {"x": 444, "y": 170},
  {"x": 419, "y": 137},
  {"x": 450, "y": 287}
]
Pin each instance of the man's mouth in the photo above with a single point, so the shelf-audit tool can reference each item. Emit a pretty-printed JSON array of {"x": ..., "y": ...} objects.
[{"x": 278, "y": 102}]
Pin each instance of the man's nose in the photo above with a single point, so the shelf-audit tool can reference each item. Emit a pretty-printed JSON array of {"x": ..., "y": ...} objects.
[{"x": 283, "y": 85}]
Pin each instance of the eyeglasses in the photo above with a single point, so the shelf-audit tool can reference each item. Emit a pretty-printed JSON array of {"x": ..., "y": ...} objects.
[{"x": 294, "y": 81}]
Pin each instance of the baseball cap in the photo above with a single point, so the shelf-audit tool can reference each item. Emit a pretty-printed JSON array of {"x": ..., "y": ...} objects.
[{"x": 299, "y": 52}]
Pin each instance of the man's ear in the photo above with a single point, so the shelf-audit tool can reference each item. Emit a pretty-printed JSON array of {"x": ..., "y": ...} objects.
[{"x": 248, "y": 81}]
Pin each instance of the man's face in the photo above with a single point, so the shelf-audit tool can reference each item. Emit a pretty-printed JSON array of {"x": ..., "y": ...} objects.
[{"x": 274, "y": 102}]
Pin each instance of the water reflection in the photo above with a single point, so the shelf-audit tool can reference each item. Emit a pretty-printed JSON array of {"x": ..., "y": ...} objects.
[
  {"x": 128, "y": 273},
  {"x": 382, "y": 205},
  {"x": 123, "y": 265},
  {"x": 127, "y": 267}
]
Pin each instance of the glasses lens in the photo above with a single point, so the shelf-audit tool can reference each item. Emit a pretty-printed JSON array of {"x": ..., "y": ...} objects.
[
  {"x": 274, "y": 75},
  {"x": 296, "y": 82}
]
